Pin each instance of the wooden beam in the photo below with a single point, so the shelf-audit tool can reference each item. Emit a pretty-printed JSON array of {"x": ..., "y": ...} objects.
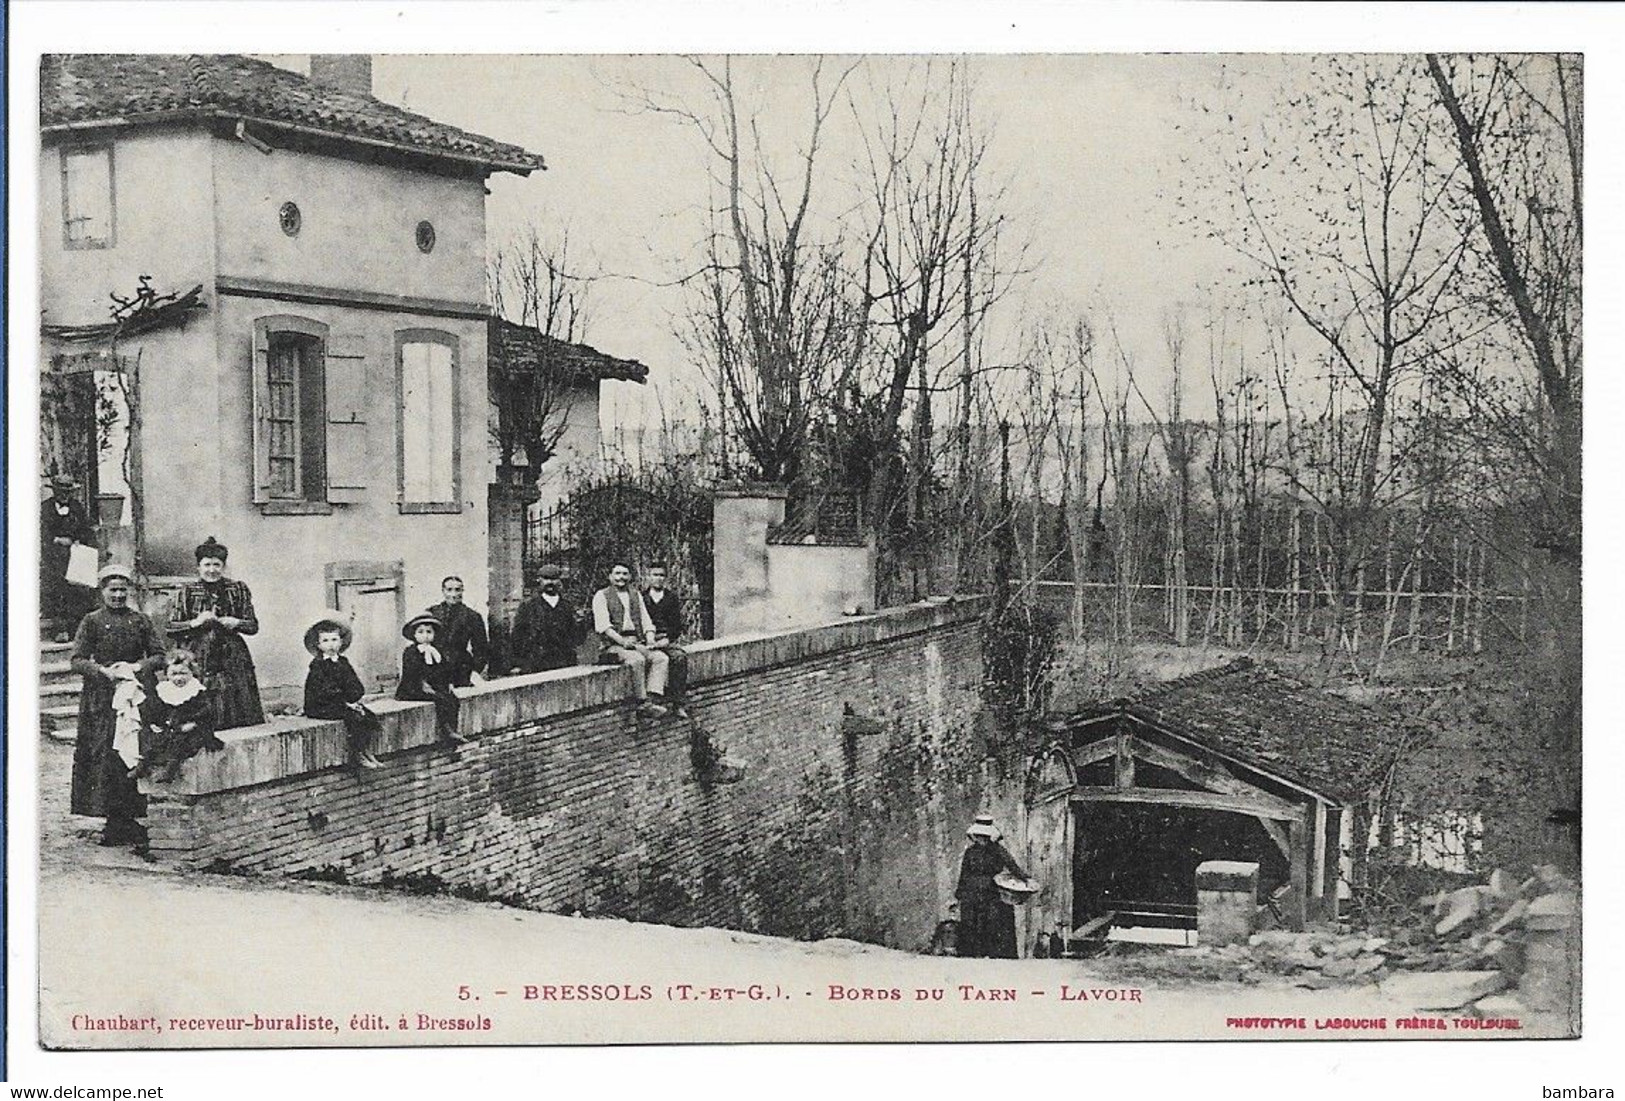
[
  {"x": 1196, "y": 800},
  {"x": 1123, "y": 762},
  {"x": 1103, "y": 750},
  {"x": 1298, "y": 861},
  {"x": 1317, "y": 885},
  {"x": 1214, "y": 778},
  {"x": 1278, "y": 835}
]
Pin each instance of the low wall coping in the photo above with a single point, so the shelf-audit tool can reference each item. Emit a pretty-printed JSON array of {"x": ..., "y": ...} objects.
[{"x": 291, "y": 746}]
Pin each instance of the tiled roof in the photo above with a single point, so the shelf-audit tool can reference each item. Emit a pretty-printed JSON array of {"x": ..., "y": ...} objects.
[
  {"x": 525, "y": 348},
  {"x": 1270, "y": 721},
  {"x": 125, "y": 89}
]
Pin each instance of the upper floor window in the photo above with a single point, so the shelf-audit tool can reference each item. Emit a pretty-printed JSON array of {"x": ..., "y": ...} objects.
[
  {"x": 310, "y": 415},
  {"x": 87, "y": 197},
  {"x": 429, "y": 448}
]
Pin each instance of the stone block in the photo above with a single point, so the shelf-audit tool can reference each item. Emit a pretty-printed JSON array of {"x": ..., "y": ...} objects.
[
  {"x": 1226, "y": 901},
  {"x": 1416, "y": 990}
]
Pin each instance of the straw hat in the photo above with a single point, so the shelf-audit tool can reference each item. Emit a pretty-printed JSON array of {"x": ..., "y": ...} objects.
[
  {"x": 62, "y": 481},
  {"x": 331, "y": 621},
  {"x": 419, "y": 620},
  {"x": 983, "y": 827}
]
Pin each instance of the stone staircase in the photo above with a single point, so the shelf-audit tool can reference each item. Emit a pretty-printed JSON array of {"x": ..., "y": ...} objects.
[{"x": 59, "y": 692}]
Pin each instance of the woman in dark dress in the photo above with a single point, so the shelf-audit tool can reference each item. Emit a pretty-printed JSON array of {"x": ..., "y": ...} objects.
[
  {"x": 987, "y": 924},
  {"x": 210, "y": 619},
  {"x": 114, "y": 645}
]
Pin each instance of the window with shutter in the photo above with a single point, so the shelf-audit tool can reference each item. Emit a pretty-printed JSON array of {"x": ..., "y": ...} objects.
[
  {"x": 426, "y": 366},
  {"x": 87, "y": 197},
  {"x": 346, "y": 419},
  {"x": 290, "y": 413}
]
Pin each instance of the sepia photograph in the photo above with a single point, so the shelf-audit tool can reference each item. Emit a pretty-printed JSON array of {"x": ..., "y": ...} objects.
[{"x": 741, "y": 547}]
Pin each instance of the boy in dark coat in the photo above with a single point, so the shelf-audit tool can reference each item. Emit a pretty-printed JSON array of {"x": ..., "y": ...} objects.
[
  {"x": 426, "y": 674},
  {"x": 333, "y": 691}
]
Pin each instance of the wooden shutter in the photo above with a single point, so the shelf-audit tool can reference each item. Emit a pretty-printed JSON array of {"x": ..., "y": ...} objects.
[
  {"x": 346, "y": 418},
  {"x": 259, "y": 355}
]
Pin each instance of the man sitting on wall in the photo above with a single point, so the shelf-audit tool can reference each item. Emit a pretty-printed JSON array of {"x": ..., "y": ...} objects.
[
  {"x": 546, "y": 630},
  {"x": 665, "y": 610},
  {"x": 627, "y": 636},
  {"x": 463, "y": 641}
]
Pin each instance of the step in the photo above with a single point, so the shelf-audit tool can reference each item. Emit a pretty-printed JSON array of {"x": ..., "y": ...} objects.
[
  {"x": 61, "y": 712},
  {"x": 48, "y": 650},
  {"x": 59, "y": 693}
]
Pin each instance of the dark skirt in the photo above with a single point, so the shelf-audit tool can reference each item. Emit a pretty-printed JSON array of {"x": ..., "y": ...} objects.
[
  {"x": 987, "y": 928},
  {"x": 228, "y": 674},
  {"x": 102, "y": 787}
]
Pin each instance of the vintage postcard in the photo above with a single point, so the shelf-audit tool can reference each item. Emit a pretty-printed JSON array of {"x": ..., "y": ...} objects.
[{"x": 545, "y": 549}]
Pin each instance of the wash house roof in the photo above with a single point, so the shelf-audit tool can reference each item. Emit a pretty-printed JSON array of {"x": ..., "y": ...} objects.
[
  {"x": 1269, "y": 721},
  {"x": 82, "y": 90}
]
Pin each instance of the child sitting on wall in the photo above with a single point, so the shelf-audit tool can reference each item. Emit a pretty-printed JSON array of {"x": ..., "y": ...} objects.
[
  {"x": 426, "y": 675},
  {"x": 176, "y": 719},
  {"x": 333, "y": 691}
]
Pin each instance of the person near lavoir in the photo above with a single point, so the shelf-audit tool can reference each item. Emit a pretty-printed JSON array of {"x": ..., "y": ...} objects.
[
  {"x": 626, "y": 636},
  {"x": 462, "y": 639},
  {"x": 212, "y": 617},
  {"x": 546, "y": 630},
  {"x": 114, "y": 646},
  {"x": 665, "y": 610},
  {"x": 987, "y": 924},
  {"x": 63, "y": 522}
]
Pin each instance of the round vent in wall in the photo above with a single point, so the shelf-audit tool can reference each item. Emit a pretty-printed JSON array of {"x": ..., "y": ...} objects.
[
  {"x": 425, "y": 236},
  {"x": 290, "y": 219}
]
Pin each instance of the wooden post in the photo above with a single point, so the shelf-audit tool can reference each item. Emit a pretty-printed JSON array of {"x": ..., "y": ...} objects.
[
  {"x": 1298, "y": 869},
  {"x": 1123, "y": 763},
  {"x": 1317, "y": 877}
]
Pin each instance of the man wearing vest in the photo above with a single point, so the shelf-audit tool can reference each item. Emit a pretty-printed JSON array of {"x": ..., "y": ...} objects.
[
  {"x": 626, "y": 634},
  {"x": 666, "y": 613}
]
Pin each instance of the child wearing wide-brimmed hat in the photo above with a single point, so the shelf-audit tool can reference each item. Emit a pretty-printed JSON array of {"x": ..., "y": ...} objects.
[
  {"x": 426, "y": 675},
  {"x": 333, "y": 691}
]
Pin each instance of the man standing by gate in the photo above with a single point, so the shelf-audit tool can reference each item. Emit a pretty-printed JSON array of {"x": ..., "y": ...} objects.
[
  {"x": 546, "y": 629},
  {"x": 627, "y": 635}
]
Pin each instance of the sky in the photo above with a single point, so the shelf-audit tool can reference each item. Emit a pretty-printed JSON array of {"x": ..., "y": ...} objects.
[{"x": 1088, "y": 147}]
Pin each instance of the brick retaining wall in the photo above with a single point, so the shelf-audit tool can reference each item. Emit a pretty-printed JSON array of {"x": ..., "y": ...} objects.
[{"x": 863, "y": 764}]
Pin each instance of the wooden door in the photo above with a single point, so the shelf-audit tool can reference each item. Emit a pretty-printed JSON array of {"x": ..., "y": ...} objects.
[
  {"x": 375, "y": 607},
  {"x": 1049, "y": 855}
]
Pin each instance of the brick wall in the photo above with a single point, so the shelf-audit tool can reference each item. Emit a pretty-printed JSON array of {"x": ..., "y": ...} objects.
[{"x": 863, "y": 765}]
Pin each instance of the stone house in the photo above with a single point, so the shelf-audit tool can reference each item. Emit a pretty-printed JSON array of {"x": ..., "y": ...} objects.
[{"x": 321, "y": 407}]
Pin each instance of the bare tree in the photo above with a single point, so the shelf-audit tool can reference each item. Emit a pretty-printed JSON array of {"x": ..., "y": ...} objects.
[
  {"x": 535, "y": 282},
  {"x": 772, "y": 318},
  {"x": 1369, "y": 261}
]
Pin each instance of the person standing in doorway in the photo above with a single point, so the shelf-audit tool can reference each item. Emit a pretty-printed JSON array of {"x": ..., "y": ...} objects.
[
  {"x": 628, "y": 637},
  {"x": 987, "y": 924},
  {"x": 462, "y": 639},
  {"x": 546, "y": 630},
  {"x": 665, "y": 610},
  {"x": 212, "y": 617},
  {"x": 113, "y": 648},
  {"x": 63, "y": 522}
]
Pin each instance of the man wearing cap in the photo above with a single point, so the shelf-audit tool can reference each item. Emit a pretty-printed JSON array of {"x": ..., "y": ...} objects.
[
  {"x": 63, "y": 522},
  {"x": 462, "y": 637},
  {"x": 627, "y": 636},
  {"x": 546, "y": 630}
]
